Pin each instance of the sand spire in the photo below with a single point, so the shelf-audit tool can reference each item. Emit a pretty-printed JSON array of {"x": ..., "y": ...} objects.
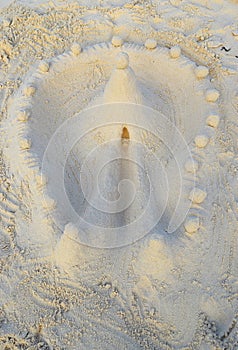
[{"x": 122, "y": 85}]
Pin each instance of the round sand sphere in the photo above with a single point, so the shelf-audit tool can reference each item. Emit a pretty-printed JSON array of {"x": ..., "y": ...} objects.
[
  {"x": 175, "y": 52},
  {"x": 201, "y": 141},
  {"x": 122, "y": 60},
  {"x": 201, "y": 72},
  {"x": 213, "y": 120},
  {"x": 76, "y": 49},
  {"x": 212, "y": 95},
  {"x": 29, "y": 91},
  {"x": 192, "y": 224},
  {"x": 44, "y": 67},
  {"x": 25, "y": 144},
  {"x": 197, "y": 195},
  {"x": 117, "y": 41},
  {"x": 23, "y": 116},
  {"x": 150, "y": 44}
]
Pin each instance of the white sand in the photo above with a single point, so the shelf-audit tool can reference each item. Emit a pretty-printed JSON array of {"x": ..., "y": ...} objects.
[{"x": 118, "y": 175}]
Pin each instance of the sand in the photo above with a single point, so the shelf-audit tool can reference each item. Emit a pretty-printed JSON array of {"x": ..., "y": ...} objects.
[{"x": 118, "y": 175}]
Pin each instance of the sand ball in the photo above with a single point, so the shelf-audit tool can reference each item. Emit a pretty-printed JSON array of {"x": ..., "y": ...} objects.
[
  {"x": 122, "y": 60},
  {"x": 44, "y": 67},
  {"x": 76, "y": 49},
  {"x": 29, "y": 91},
  {"x": 201, "y": 141},
  {"x": 213, "y": 120},
  {"x": 197, "y": 195},
  {"x": 150, "y": 44},
  {"x": 25, "y": 144},
  {"x": 117, "y": 41},
  {"x": 201, "y": 72},
  {"x": 192, "y": 224},
  {"x": 23, "y": 116},
  {"x": 212, "y": 95},
  {"x": 175, "y": 52}
]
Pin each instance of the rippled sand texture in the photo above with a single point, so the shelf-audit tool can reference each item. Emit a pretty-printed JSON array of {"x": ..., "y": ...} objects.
[{"x": 118, "y": 175}]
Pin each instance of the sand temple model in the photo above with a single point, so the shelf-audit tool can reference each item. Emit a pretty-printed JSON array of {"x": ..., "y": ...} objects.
[
  {"x": 118, "y": 215},
  {"x": 66, "y": 176}
]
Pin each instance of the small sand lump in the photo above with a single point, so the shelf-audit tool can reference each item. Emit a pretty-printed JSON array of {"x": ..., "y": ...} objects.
[
  {"x": 44, "y": 67},
  {"x": 150, "y": 44},
  {"x": 192, "y": 224},
  {"x": 76, "y": 49},
  {"x": 197, "y": 195},
  {"x": 71, "y": 231},
  {"x": 212, "y": 95},
  {"x": 25, "y": 144},
  {"x": 175, "y": 52},
  {"x": 213, "y": 120},
  {"x": 201, "y": 72},
  {"x": 29, "y": 91},
  {"x": 6, "y": 22},
  {"x": 49, "y": 203},
  {"x": 122, "y": 60},
  {"x": 23, "y": 116},
  {"x": 201, "y": 141},
  {"x": 117, "y": 41},
  {"x": 41, "y": 180},
  {"x": 191, "y": 166}
]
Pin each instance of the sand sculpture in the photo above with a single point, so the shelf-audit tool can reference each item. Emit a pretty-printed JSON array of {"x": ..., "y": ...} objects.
[{"x": 148, "y": 260}]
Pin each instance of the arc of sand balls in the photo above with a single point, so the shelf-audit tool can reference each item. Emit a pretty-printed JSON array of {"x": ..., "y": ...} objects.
[
  {"x": 24, "y": 115},
  {"x": 41, "y": 180},
  {"x": 201, "y": 141},
  {"x": 33, "y": 173},
  {"x": 197, "y": 195}
]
